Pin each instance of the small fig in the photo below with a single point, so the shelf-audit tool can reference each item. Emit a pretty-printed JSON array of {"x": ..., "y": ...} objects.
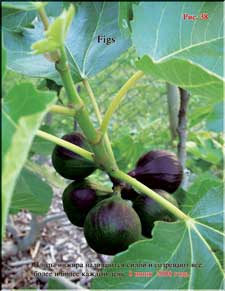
[
  {"x": 78, "y": 199},
  {"x": 159, "y": 170},
  {"x": 111, "y": 226},
  {"x": 69, "y": 164},
  {"x": 150, "y": 211}
]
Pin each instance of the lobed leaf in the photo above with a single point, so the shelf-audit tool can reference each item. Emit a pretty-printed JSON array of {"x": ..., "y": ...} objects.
[
  {"x": 86, "y": 55},
  {"x": 18, "y": 15},
  {"x": 188, "y": 245},
  {"x": 186, "y": 53}
]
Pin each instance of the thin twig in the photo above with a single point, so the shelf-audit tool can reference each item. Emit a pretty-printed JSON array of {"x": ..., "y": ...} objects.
[
  {"x": 20, "y": 263},
  {"x": 182, "y": 125},
  {"x": 52, "y": 217},
  {"x": 34, "y": 232},
  {"x": 173, "y": 100},
  {"x": 12, "y": 228},
  {"x": 11, "y": 249}
]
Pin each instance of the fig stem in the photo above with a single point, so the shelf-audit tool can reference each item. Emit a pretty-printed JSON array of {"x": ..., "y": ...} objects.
[
  {"x": 44, "y": 17},
  {"x": 93, "y": 100},
  {"x": 102, "y": 157},
  {"x": 99, "y": 116},
  {"x": 150, "y": 193},
  {"x": 117, "y": 100},
  {"x": 62, "y": 110},
  {"x": 73, "y": 148}
]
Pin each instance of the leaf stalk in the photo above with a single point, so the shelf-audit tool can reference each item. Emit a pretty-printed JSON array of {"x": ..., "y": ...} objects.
[
  {"x": 76, "y": 149},
  {"x": 117, "y": 100}
]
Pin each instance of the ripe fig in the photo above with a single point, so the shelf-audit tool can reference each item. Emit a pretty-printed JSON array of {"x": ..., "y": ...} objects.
[
  {"x": 128, "y": 193},
  {"x": 150, "y": 211},
  {"x": 111, "y": 226},
  {"x": 159, "y": 170},
  {"x": 78, "y": 199},
  {"x": 69, "y": 164}
]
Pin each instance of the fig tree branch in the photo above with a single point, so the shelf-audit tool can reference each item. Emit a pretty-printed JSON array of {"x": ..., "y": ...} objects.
[
  {"x": 63, "y": 110},
  {"x": 43, "y": 17},
  {"x": 117, "y": 100},
  {"x": 182, "y": 125},
  {"x": 173, "y": 100},
  {"x": 74, "y": 148},
  {"x": 150, "y": 193},
  {"x": 99, "y": 116},
  {"x": 101, "y": 155},
  {"x": 11, "y": 249}
]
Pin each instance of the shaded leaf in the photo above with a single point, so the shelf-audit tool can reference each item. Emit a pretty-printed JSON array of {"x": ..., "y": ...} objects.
[
  {"x": 199, "y": 187},
  {"x": 23, "y": 5},
  {"x": 31, "y": 193},
  {"x": 206, "y": 148},
  {"x": 47, "y": 174},
  {"x": 20, "y": 120},
  {"x": 215, "y": 119},
  {"x": 16, "y": 16},
  {"x": 61, "y": 283},
  {"x": 4, "y": 61}
]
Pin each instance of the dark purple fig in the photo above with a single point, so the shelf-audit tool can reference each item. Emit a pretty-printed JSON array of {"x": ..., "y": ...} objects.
[
  {"x": 128, "y": 193},
  {"x": 69, "y": 164},
  {"x": 159, "y": 170},
  {"x": 111, "y": 226},
  {"x": 150, "y": 211},
  {"x": 78, "y": 199}
]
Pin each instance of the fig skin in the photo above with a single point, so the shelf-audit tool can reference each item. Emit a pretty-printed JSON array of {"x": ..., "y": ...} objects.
[
  {"x": 159, "y": 169},
  {"x": 78, "y": 199},
  {"x": 67, "y": 163},
  {"x": 111, "y": 226},
  {"x": 150, "y": 211},
  {"x": 128, "y": 193}
]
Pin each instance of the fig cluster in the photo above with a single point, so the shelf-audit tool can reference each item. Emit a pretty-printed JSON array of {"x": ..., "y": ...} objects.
[
  {"x": 110, "y": 222},
  {"x": 162, "y": 172}
]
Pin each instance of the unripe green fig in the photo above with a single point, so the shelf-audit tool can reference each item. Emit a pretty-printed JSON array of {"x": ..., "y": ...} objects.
[
  {"x": 78, "y": 199},
  {"x": 111, "y": 226},
  {"x": 150, "y": 211},
  {"x": 69, "y": 164}
]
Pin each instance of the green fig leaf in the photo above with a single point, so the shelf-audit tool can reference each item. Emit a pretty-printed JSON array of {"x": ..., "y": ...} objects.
[
  {"x": 185, "y": 53},
  {"x": 86, "y": 55},
  {"x": 214, "y": 120},
  {"x": 31, "y": 193},
  {"x": 4, "y": 61},
  {"x": 17, "y": 15},
  {"x": 27, "y": 6},
  {"x": 185, "y": 251},
  {"x": 20, "y": 119},
  {"x": 56, "y": 33}
]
